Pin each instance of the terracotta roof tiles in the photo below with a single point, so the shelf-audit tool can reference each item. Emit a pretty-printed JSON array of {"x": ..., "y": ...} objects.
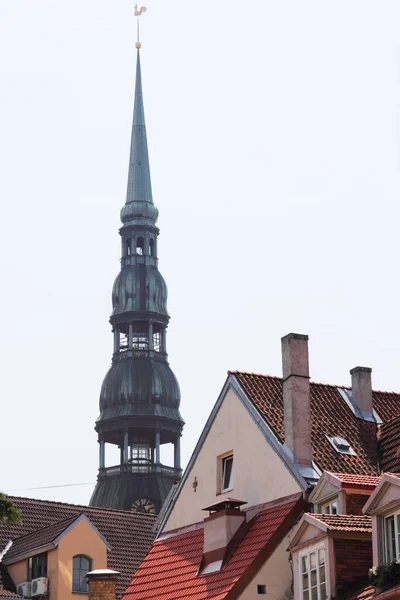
[
  {"x": 170, "y": 569},
  {"x": 390, "y": 445},
  {"x": 266, "y": 393},
  {"x": 351, "y": 480},
  {"x": 6, "y": 594},
  {"x": 359, "y": 523}
]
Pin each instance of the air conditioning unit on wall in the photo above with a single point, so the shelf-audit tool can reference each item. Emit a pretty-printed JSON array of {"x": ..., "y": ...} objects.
[
  {"x": 39, "y": 586},
  {"x": 24, "y": 589}
]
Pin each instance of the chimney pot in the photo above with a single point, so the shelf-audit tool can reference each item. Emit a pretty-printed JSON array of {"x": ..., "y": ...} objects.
[
  {"x": 361, "y": 386},
  {"x": 296, "y": 397}
]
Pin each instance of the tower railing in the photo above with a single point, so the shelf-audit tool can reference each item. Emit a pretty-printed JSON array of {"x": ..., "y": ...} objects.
[
  {"x": 126, "y": 353},
  {"x": 140, "y": 468}
]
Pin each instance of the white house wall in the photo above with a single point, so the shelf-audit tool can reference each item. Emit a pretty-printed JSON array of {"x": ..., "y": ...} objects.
[{"x": 259, "y": 474}]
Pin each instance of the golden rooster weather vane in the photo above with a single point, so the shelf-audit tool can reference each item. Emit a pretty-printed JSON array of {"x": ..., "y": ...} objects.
[{"x": 138, "y": 13}]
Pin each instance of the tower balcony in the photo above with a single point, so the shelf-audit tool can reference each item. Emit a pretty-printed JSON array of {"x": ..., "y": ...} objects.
[
  {"x": 127, "y": 353},
  {"x": 140, "y": 469}
]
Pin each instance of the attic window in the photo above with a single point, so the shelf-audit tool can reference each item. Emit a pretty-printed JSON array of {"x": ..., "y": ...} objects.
[
  {"x": 225, "y": 472},
  {"x": 341, "y": 445}
]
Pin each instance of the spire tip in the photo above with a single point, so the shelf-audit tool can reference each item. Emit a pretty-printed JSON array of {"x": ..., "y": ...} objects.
[{"x": 138, "y": 45}]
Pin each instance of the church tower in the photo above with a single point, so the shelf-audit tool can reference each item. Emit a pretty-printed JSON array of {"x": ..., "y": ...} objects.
[{"x": 139, "y": 398}]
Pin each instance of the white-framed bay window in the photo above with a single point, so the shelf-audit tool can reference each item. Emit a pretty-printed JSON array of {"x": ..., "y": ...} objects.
[
  {"x": 312, "y": 578},
  {"x": 392, "y": 537}
]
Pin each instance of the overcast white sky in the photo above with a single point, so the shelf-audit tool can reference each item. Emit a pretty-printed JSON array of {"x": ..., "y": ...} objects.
[{"x": 273, "y": 129}]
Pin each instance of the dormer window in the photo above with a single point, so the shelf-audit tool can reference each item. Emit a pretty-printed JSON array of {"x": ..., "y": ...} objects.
[
  {"x": 331, "y": 508},
  {"x": 392, "y": 537},
  {"x": 313, "y": 575},
  {"x": 341, "y": 445}
]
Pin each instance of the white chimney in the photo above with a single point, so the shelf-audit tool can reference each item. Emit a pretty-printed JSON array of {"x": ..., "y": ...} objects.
[
  {"x": 361, "y": 387},
  {"x": 296, "y": 397}
]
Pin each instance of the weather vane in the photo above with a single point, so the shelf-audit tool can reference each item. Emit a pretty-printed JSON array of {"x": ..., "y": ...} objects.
[{"x": 138, "y": 12}]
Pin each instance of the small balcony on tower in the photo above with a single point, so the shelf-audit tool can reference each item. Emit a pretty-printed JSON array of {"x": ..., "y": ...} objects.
[
  {"x": 141, "y": 458},
  {"x": 139, "y": 340}
]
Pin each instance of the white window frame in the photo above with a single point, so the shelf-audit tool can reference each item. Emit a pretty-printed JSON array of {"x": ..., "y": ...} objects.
[
  {"x": 307, "y": 555},
  {"x": 222, "y": 462},
  {"x": 388, "y": 548},
  {"x": 326, "y": 508}
]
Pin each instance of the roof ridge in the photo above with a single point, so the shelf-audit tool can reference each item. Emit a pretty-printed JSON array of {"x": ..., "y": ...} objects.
[
  {"x": 332, "y": 385},
  {"x": 83, "y": 506}
]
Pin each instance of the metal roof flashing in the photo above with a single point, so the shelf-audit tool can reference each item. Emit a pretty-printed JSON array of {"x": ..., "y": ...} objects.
[{"x": 347, "y": 395}]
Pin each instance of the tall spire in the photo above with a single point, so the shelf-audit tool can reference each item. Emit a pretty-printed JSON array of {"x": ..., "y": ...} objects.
[
  {"x": 139, "y": 197},
  {"x": 140, "y": 397}
]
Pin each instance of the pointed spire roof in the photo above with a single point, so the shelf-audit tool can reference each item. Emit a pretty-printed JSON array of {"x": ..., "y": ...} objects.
[{"x": 139, "y": 197}]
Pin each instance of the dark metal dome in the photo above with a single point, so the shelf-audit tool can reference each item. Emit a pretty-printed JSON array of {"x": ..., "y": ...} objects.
[
  {"x": 145, "y": 382},
  {"x": 140, "y": 289},
  {"x": 139, "y": 210}
]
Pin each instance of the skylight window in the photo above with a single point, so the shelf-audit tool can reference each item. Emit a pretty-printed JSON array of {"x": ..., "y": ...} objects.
[{"x": 341, "y": 445}]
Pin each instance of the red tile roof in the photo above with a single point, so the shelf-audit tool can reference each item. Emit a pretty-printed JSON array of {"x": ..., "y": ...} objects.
[
  {"x": 170, "y": 569},
  {"x": 265, "y": 392},
  {"x": 366, "y": 593},
  {"x": 345, "y": 522},
  {"x": 129, "y": 534},
  {"x": 357, "y": 481},
  {"x": 6, "y": 594},
  {"x": 390, "y": 445}
]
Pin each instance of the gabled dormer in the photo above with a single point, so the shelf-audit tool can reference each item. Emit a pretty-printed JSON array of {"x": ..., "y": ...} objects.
[
  {"x": 384, "y": 507},
  {"x": 330, "y": 554},
  {"x": 342, "y": 493}
]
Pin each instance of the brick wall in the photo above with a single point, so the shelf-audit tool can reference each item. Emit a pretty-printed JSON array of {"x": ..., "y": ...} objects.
[
  {"x": 353, "y": 559},
  {"x": 355, "y": 503},
  {"x": 102, "y": 585}
]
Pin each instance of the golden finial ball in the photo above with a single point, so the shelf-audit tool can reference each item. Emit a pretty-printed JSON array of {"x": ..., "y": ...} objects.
[{"x": 138, "y": 45}]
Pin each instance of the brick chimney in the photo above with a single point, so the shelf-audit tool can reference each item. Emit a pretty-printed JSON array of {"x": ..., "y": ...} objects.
[
  {"x": 102, "y": 584},
  {"x": 225, "y": 518},
  {"x": 296, "y": 397},
  {"x": 361, "y": 387}
]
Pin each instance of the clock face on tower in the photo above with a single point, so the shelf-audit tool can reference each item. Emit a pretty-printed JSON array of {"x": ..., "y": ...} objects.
[{"x": 143, "y": 505}]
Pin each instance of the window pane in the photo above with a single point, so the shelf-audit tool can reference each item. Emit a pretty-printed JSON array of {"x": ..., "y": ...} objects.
[
  {"x": 334, "y": 508},
  {"x": 323, "y": 591},
  {"x": 327, "y": 509},
  {"x": 322, "y": 574},
  {"x": 313, "y": 578},
  {"x": 313, "y": 560},
  {"x": 84, "y": 564},
  {"x": 305, "y": 581},
  {"x": 227, "y": 473},
  {"x": 321, "y": 556},
  {"x": 304, "y": 564},
  {"x": 314, "y": 594},
  {"x": 390, "y": 539}
]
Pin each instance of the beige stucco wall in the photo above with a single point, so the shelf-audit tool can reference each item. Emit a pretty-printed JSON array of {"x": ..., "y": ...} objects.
[
  {"x": 81, "y": 539},
  {"x": 259, "y": 474},
  {"x": 18, "y": 571},
  {"x": 276, "y": 574}
]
